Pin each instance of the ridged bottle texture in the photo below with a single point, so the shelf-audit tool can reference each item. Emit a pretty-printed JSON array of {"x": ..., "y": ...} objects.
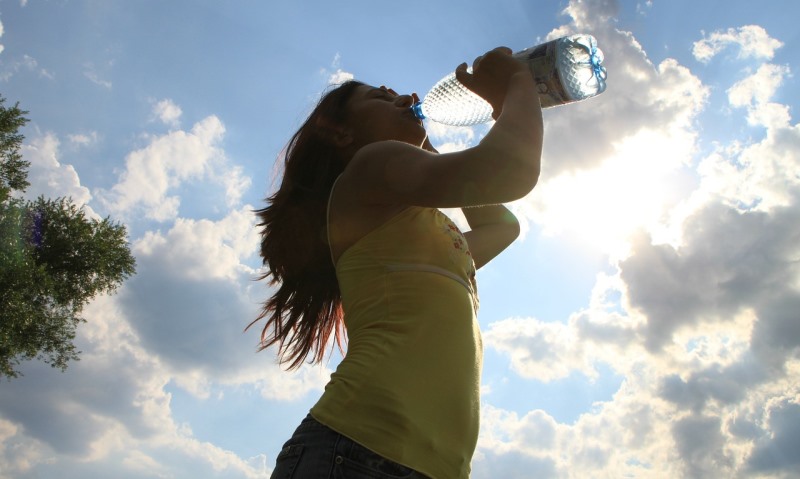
[{"x": 565, "y": 70}]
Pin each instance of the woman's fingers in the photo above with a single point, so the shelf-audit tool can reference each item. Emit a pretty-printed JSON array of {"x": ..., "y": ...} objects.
[
  {"x": 463, "y": 76},
  {"x": 490, "y": 75}
]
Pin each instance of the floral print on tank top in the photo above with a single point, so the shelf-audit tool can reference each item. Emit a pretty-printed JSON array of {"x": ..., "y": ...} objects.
[{"x": 460, "y": 253}]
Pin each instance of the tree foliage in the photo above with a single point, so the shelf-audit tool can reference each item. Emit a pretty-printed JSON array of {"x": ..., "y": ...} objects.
[
  {"x": 53, "y": 261},
  {"x": 13, "y": 169}
]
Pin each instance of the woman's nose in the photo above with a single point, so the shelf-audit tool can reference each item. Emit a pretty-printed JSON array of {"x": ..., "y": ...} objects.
[{"x": 405, "y": 101}]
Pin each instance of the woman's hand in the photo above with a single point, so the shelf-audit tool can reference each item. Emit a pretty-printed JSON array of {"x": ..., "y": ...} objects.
[
  {"x": 492, "y": 229},
  {"x": 490, "y": 77}
]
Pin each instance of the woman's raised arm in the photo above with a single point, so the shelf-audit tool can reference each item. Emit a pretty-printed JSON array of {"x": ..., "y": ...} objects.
[{"x": 503, "y": 167}]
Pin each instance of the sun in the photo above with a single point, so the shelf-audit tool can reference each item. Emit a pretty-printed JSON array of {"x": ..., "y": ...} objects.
[{"x": 631, "y": 190}]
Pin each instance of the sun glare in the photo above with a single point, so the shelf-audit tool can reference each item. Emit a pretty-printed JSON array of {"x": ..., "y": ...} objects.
[{"x": 628, "y": 192}]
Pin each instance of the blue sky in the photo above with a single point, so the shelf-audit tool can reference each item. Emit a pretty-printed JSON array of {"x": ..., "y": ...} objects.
[{"x": 645, "y": 325}]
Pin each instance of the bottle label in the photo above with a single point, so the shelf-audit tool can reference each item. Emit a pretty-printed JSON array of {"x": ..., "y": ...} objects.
[{"x": 541, "y": 60}]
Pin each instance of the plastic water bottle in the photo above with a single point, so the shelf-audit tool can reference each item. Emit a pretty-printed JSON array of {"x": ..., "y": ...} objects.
[{"x": 565, "y": 70}]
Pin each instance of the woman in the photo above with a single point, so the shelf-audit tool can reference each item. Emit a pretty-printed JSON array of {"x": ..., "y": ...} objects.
[{"x": 354, "y": 237}]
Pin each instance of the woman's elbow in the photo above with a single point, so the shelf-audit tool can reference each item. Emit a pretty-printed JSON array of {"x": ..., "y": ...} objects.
[
  {"x": 514, "y": 229},
  {"x": 524, "y": 181},
  {"x": 532, "y": 176}
]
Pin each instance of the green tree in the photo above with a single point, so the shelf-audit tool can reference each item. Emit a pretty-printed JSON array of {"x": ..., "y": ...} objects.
[
  {"x": 13, "y": 169},
  {"x": 53, "y": 261}
]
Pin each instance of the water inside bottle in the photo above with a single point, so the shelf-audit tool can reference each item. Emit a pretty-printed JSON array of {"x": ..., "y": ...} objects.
[
  {"x": 567, "y": 69},
  {"x": 452, "y": 103}
]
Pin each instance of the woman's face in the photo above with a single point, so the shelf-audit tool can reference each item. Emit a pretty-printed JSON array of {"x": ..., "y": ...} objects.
[{"x": 379, "y": 114}]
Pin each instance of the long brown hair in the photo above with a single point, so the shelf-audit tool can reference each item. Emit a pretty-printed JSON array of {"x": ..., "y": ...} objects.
[{"x": 306, "y": 308}]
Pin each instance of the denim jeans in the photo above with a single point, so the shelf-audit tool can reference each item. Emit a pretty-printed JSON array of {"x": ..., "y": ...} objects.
[{"x": 317, "y": 452}]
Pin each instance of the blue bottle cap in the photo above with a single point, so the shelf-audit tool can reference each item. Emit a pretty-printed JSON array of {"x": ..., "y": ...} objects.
[{"x": 417, "y": 109}]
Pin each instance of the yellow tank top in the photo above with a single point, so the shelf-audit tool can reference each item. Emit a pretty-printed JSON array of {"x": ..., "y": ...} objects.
[{"x": 408, "y": 387}]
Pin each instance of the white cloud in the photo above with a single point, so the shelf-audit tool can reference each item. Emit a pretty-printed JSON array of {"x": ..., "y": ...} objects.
[
  {"x": 756, "y": 176},
  {"x": 95, "y": 78},
  {"x": 729, "y": 260},
  {"x": 234, "y": 182},
  {"x": 158, "y": 169},
  {"x": 17, "y": 453},
  {"x": 778, "y": 451},
  {"x": 83, "y": 139},
  {"x": 537, "y": 350},
  {"x": 338, "y": 75},
  {"x": 536, "y": 432},
  {"x": 281, "y": 385},
  {"x": 144, "y": 464},
  {"x": 752, "y": 40},
  {"x": 754, "y": 93},
  {"x": 47, "y": 175},
  {"x": 759, "y": 87},
  {"x": 204, "y": 249},
  {"x": 210, "y": 316},
  {"x": 26, "y": 64},
  {"x": 168, "y": 113},
  {"x": 588, "y": 14},
  {"x": 641, "y": 7},
  {"x": 623, "y": 438},
  {"x": 718, "y": 425},
  {"x": 722, "y": 306},
  {"x": 446, "y": 138},
  {"x": 29, "y": 63}
]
